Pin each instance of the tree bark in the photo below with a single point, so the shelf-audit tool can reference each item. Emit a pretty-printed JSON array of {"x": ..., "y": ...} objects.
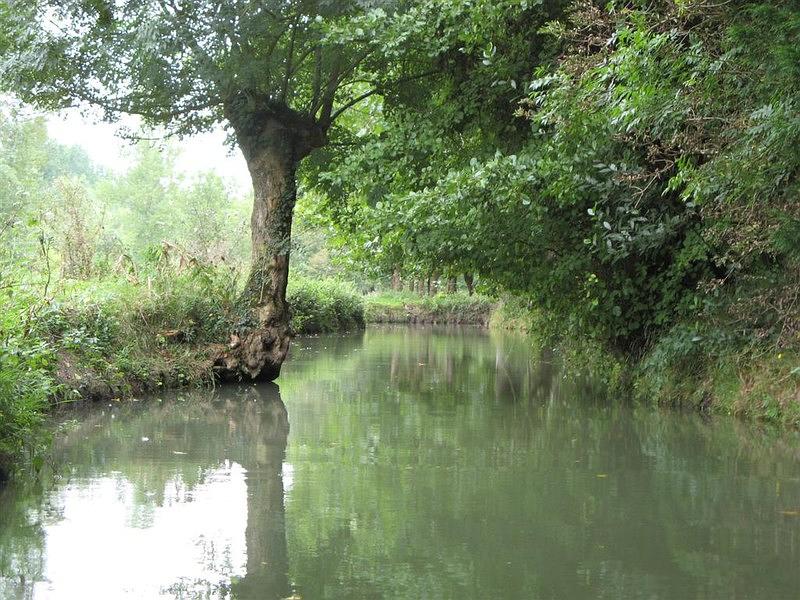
[
  {"x": 469, "y": 281},
  {"x": 452, "y": 285},
  {"x": 273, "y": 139},
  {"x": 397, "y": 284}
]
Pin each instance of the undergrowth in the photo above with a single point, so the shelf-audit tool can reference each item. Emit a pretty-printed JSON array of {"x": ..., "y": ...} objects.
[{"x": 324, "y": 306}]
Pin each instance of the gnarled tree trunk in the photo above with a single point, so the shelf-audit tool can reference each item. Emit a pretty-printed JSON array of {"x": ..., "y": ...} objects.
[{"x": 274, "y": 139}]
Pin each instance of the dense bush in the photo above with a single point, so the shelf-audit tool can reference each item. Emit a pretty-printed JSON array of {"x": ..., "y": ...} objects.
[
  {"x": 322, "y": 306},
  {"x": 26, "y": 384}
]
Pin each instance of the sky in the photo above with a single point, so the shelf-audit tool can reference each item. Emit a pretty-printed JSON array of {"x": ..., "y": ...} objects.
[{"x": 203, "y": 152}]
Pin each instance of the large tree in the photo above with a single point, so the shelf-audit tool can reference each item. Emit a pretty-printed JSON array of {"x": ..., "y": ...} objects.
[{"x": 277, "y": 73}]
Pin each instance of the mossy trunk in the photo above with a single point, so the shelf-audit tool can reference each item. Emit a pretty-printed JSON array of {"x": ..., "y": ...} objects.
[{"x": 274, "y": 140}]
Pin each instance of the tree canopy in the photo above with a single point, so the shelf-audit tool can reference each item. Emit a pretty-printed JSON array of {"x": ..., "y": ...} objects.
[
  {"x": 179, "y": 64},
  {"x": 634, "y": 185}
]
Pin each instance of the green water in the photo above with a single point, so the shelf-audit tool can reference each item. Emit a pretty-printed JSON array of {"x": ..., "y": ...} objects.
[{"x": 406, "y": 463}]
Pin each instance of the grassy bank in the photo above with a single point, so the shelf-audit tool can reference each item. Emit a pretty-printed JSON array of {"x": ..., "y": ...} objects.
[
  {"x": 752, "y": 383},
  {"x": 105, "y": 339},
  {"x": 124, "y": 336},
  {"x": 714, "y": 372},
  {"x": 443, "y": 309}
]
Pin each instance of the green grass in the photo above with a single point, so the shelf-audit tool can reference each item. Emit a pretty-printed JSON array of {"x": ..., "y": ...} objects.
[{"x": 761, "y": 386}]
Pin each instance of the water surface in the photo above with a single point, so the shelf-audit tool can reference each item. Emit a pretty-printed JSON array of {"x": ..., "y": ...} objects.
[{"x": 407, "y": 463}]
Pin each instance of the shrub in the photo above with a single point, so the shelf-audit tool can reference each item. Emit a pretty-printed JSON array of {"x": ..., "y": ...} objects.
[
  {"x": 324, "y": 306},
  {"x": 515, "y": 313},
  {"x": 26, "y": 383}
]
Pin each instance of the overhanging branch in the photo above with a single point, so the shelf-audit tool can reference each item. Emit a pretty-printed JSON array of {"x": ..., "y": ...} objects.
[{"x": 378, "y": 90}]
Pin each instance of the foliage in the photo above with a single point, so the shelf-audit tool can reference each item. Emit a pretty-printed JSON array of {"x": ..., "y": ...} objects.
[
  {"x": 324, "y": 306},
  {"x": 651, "y": 207},
  {"x": 25, "y": 385},
  {"x": 405, "y": 144},
  {"x": 515, "y": 314}
]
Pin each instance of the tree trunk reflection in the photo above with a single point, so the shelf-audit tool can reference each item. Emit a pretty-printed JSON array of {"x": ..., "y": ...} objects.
[{"x": 265, "y": 424}]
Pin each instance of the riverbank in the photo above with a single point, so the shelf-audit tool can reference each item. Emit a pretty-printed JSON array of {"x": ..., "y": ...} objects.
[
  {"x": 117, "y": 339},
  {"x": 682, "y": 369},
  {"x": 122, "y": 337},
  {"x": 441, "y": 309}
]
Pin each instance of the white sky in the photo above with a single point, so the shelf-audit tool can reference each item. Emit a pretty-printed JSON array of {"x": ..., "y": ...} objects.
[{"x": 204, "y": 152}]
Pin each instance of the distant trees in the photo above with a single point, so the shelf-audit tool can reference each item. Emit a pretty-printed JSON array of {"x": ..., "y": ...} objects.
[{"x": 54, "y": 199}]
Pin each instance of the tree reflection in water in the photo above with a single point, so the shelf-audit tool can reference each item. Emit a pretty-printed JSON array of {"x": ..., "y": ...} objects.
[
  {"x": 115, "y": 484},
  {"x": 265, "y": 426},
  {"x": 424, "y": 463}
]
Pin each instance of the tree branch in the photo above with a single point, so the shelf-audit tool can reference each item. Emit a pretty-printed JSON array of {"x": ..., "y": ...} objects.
[
  {"x": 378, "y": 90},
  {"x": 353, "y": 102},
  {"x": 289, "y": 57}
]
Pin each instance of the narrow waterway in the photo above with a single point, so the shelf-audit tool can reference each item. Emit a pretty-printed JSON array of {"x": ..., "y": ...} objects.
[{"x": 406, "y": 463}]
